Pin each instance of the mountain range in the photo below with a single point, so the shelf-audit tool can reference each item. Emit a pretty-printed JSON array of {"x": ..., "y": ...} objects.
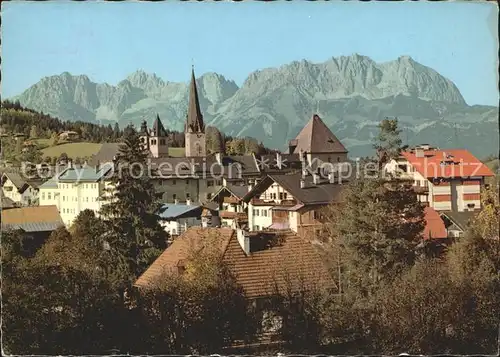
[{"x": 351, "y": 93}]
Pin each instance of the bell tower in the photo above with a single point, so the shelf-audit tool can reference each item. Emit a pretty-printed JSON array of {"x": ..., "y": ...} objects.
[
  {"x": 194, "y": 131},
  {"x": 158, "y": 139}
]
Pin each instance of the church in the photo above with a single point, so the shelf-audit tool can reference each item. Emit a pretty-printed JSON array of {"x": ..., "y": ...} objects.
[{"x": 196, "y": 177}]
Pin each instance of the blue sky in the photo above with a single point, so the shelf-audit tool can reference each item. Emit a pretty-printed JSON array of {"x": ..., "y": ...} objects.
[{"x": 108, "y": 41}]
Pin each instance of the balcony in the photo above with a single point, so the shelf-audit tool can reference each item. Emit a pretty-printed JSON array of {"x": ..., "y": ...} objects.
[
  {"x": 271, "y": 202},
  {"x": 240, "y": 216}
]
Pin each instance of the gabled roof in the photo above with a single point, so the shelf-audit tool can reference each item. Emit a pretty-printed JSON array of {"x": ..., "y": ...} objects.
[
  {"x": 316, "y": 137},
  {"x": 290, "y": 259},
  {"x": 237, "y": 191},
  {"x": 194, "y": 117},
  {"x": 458, "y": 163},
  {"x": 174, "y": 211},
  {"x": 158, "y": 129},
  {"x": 321, "y": 193},
  {"x": 15, "y": 178},
  {"x": 434, "y": 225},
  {"x": 32, "y": 219}
]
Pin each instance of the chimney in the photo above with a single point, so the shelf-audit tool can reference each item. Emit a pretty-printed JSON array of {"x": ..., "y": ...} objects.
[
  {"x": 331, "y": 177},
  {"x": 188, "y": 201},
  {"x": 97, "y": 166},
  {"x": 70, "y": 163},
  {"x": 315, "y": 178},
  {"x": 419, "y": 152},
  {"x": 302, "y": 183},
  {"x": 292, "y": 145},
  {"x": 218, "y": 157},
  {"x": 244, "y": 240},
  {"x": 176, "y": 201}
]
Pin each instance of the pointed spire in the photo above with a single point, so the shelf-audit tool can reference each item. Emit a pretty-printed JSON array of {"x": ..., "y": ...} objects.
[
  {"x": 194, "y": 117},
  {"x": 158, "y": 129}
]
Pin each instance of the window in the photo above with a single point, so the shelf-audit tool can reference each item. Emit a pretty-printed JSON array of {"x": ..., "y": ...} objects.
[
  {"x": 273, "y": 196},
  {"x": 282, "y": 196},
  {"x": 471, "y": 205},
  {"x": 256, "y": 212},
  {"x": 188, "y": 195},
  {"x": 218, "y": 182},
  {"x": 210, "y": 183},
  {"x": 338, "y": 159},
  {"x": 417, "y": 183},
  {"x": 64, "y": 198},
  {"x": 264, "y": 213},
  {"x": 173, "y": 182},
  {"x": 187, "y": 181},
  {"x": 87, "y": 199},
  {"x": 49, "y": 195},
  {"x": 174, "y": 196},
  {"x": 255, "y": 228},
  {"x": 209, "y": 196},
  {"x": 162, "y": 141},
  {"x": 43, "y": 195},
  {"x": 153, "y": 141}
]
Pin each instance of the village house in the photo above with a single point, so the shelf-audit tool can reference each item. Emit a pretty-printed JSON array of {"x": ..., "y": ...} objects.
[
  {"x": 177, "y": 218},
  {"x": 35, "y": 223},
  {"x": 69, "y": 136},
  {"x": 446, "y": 180},
  {"x": 291, "y": 201},
  {"x": 263, "y": 263},
  {"x": 77, "y": 189},
  {"x": 231, "y": 208},
  {"x": 22, "y": 192}
]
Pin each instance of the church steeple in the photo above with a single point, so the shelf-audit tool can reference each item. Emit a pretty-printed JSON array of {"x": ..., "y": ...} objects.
[
  {"x": 194, "y": 122},
  {"x": 194, "y": 132}
]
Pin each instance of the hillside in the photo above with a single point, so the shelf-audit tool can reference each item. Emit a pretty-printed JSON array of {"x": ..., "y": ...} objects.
[{"x": 352, "y": 94}]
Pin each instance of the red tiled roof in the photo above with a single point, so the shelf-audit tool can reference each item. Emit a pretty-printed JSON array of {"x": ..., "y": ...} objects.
[
  {"x": 461, "y": 164},
  {"x": 434, "y": 225},
  {"x": 291, "y": 263},
  {"x": 192, "y": 240}
]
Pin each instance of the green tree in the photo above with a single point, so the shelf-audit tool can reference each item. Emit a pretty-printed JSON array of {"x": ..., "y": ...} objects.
[
  {"x": 388, "y": 143},
  {"x": 214, "y": 139},
  {"x": 116, "y": 132},
  {"x": 132, "y": 215},
  {"x": 377, "y": 229}
]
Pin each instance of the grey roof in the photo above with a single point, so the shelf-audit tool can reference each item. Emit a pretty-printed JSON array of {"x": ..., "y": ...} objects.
[
  {"x": 321, "y": 193},
  {"x": 236, "y": 165},
  {"x": 460, "y": 219},
  {"x": 85, "y": 174},
  {"x": 238, "y": 191},
  {"x": 179, "y": 210},
  {"x": 33, "y": 227},
  {"x": 177, "y": 166},
  {"x": 51, "y": 183}
]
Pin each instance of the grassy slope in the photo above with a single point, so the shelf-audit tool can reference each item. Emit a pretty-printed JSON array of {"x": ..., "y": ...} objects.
[{"x": 73, "y": 150}]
